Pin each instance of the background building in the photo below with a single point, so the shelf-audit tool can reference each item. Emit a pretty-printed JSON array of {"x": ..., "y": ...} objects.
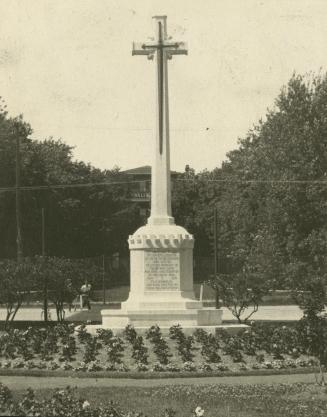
[{"x": 139, "y": 187}]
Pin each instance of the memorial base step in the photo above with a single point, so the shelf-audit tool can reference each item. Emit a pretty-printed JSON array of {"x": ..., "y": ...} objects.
[
  {"x": 162, "y": 317},
  {"x": 188, "y": 330}
]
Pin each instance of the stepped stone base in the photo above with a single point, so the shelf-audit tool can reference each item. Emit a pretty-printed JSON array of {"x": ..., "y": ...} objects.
[
  {"x": 188, "y": 330},
  {"x": 161, "y": 290},
  {"x": 161, "y": 317}
]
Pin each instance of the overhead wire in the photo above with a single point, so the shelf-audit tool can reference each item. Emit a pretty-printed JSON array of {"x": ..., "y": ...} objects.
[{"x": 197, "y": 180}]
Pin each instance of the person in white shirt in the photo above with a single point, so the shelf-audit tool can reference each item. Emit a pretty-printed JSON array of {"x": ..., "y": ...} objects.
[{"x": 85, "y": 293}]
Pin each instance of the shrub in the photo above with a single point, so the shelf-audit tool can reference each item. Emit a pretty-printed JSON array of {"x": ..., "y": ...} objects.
[
  {"x": 68, "y": 349},
  {"x": 176, "y": 332},
  {"x": 184, "y": 344},
  {"x": 249, "y": 342},
  {"x": 209, "y": 349},
  {"x": 105, "y": 335},
  {"x": 160, "y": 346},
  {"x": 200, "y": 335},
  {"x": 161, "y": 350},
  {"x": 140, "y": 352},
  {"x": 233, "y": 347},
  {"x": 115, "y": 350},
  {"x": 284, "y": 340},
  {"x": 153, "y": 334},
  {"x": 130, "y": 333},
  {"x": 49, "y": 347},
  {"x": 8, "y": 349},
  {"x": 91, "y": 349},
  {"x": 83, "y": 336}
]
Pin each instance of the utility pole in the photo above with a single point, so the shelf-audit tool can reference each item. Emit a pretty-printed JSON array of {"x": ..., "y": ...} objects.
[
  {"x": 103, "y": 278},
  {"x": 215, "y": 252},
  {"x": 19, "y": 241},
  {"x": 45, "y": 277}
]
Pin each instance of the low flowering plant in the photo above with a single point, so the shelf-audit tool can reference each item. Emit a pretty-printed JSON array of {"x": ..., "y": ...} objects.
[
  {"x": 290, "y": 363},
  {"x": 205, "y": 367},
  {"x": 141, "y": 367},
  {"x": 94, "y": 366},
  {"x": 172, "y": 368},
  {"x": 85, "y": 405},
  {"x": 52, "y": 366},
  {"x": 5, "y": 396},
  {"x": 199, "y": 412},
  {"x": 41, "y": 365},
  {"x": 243, "y": 367},
  {"x": 158, "y": 367},
  {"x": 81, "y": 367},
  {"x": 18, "y": 363},
  {"x": 30, "y": 365},
  {"x": 222, "y": 368},
  {"x": 121, "y": 367},
  {"x": 110, "y": 367},
  {"x": 188, "y": 366},
  {"x": 66, "y": 366},
  {"x": 267, "y": 365},
  {"x": 305, "y": 362}
]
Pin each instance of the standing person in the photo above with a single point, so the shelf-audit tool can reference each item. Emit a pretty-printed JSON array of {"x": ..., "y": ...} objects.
[{"x": 85, "y": 293}]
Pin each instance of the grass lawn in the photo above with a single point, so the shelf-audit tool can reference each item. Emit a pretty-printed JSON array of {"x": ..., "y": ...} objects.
[{"x": 218, "y": 400}]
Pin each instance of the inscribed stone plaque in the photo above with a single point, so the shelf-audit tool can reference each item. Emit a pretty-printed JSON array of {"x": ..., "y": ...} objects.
[{"x": 161, "y": 270}]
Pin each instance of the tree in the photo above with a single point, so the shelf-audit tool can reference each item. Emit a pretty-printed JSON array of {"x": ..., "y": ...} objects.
[
  {"x": 240, "y": 292},
  {"x": 17, "y": 280},
  {"x": 313, "y": 337},
  {"x": 64, "y": 279}
]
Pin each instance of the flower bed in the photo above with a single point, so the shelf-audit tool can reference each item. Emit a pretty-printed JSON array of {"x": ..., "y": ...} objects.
[
  {"x": 219, "y": 400},
  {"x": 68, "y": 348}
]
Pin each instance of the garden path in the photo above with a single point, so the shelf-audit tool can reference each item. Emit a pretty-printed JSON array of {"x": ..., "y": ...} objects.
[
  {"x": 23, "y": 382},
  {"x": 278, "y": 313}
]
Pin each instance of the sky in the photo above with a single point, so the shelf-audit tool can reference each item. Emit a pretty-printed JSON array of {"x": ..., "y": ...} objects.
[{"x": 66, "y": 65}]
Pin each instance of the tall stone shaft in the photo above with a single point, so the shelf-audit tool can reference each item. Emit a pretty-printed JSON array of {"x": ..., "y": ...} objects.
[
  {"x": 161, "y": 50},
  {"x": 160, "y": 186}
]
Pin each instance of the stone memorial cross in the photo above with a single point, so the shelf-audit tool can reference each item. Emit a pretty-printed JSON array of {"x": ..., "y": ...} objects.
[
  {"x": 161, "y": 252},
  {"x": 161, "y": 49}
]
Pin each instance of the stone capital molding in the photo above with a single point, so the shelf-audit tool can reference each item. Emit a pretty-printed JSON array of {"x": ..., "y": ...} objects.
[{"x": 161, "y": 241}]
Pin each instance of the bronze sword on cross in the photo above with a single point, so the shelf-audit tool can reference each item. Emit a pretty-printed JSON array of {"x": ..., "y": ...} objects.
[{"x": 164, "y": 50}]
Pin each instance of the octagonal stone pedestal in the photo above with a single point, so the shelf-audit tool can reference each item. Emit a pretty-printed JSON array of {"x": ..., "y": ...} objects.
[{"x": 161, "y": 283}]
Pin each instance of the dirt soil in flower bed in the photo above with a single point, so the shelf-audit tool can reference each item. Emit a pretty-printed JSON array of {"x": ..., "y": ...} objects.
[{"x": 217, "y": 400}]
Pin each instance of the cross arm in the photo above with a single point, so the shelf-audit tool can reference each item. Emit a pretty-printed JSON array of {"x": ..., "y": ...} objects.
[
  {"x": 138, "y": 49},
  {"x": 179, "y": 49}
]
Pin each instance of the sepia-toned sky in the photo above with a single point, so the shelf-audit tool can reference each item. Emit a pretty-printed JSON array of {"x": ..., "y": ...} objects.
[{"x": 67, "y": 66}]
